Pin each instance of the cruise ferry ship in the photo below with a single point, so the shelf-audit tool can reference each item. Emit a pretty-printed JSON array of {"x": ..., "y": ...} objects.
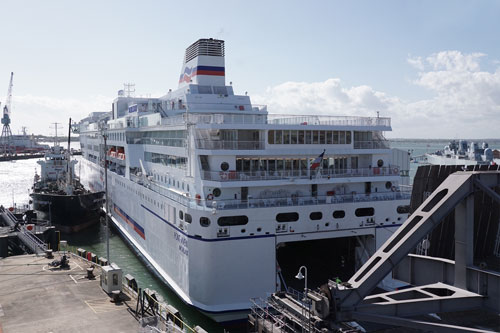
[{"x": 209, "y": 188}]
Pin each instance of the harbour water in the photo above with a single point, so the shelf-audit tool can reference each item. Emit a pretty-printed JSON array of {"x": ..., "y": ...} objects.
[{"x": 16, "y": 179}]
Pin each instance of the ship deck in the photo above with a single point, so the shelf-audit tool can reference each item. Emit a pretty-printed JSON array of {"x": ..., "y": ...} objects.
[{"x": 37, "y": 298}]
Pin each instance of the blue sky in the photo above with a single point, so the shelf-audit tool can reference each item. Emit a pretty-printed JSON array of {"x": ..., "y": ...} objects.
[{"x": 432, "y": 66}]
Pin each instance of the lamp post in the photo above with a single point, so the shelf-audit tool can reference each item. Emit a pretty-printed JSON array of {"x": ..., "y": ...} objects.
[{"x": 301, "y": 276}]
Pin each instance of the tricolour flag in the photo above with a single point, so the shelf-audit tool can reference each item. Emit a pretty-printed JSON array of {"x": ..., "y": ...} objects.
[{"x": 317, "y": 160}]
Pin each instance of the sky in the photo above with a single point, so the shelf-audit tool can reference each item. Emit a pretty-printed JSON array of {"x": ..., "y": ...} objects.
[{"x": 433, "y": 67}]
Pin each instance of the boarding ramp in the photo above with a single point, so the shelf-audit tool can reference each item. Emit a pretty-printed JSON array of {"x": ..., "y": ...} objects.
[
  {"x": 447, "y": 285},
  {"x": 29, "y": 240}
]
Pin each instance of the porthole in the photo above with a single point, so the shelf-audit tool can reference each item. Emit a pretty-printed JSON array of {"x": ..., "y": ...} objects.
[
  {"x": 216, "y": 192},
  {"x": 388, "y": 185},
  {"x": 338, "y": 214},
  {"x": 204, "y": 221},
  {"x": 259, "y": 229},
  {"x": 368, "y": 211},
  {"x": 287, "y": 217},
  {"x": 380, "y": 163},
  {"x": 224, "y": 166},
  {"x": 243, "y": 231},
  {"x": 316, "y": 216}
]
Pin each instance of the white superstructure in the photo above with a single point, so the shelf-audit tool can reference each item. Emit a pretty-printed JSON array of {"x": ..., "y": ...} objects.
[
  {"x": 207, "y": 186},
  {"x": 462, "y": 153}
]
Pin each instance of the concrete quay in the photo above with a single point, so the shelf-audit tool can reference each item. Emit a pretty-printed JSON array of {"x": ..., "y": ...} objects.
[{"x": 35, "y": 297}]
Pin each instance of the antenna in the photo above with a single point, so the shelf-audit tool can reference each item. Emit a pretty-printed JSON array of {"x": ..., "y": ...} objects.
[
  {"x": 129, "y": 89},
  {"x": 56, "y": 126}
]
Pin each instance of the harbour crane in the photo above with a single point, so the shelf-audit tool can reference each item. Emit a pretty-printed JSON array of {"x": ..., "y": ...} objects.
[{"x": 6, "y": 137}]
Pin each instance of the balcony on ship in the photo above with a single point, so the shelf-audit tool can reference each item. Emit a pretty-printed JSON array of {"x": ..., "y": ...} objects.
[
  {"x": 294, "y": 200},
  {"x": 272, "y": 198},
  {"x": 228, "y": 176}
]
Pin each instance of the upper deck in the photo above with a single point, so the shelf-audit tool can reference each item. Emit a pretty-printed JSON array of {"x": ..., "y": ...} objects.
[{"x": 204, "y": 120}]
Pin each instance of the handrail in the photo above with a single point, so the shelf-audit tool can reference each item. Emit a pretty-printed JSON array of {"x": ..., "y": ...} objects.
[
  {"x": 229, "y": 144},
  {"x": 231, "y": 175}
]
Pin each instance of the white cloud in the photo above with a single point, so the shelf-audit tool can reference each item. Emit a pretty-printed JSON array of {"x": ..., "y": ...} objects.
[{"x": 465, "y": 102}]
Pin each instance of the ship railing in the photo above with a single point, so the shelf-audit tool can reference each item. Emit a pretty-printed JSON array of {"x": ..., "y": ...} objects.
[
  {"x": 231, "y": 175},
  {"x": 229, "y": 145},
  {"x": 295, "y": 200},
  {"x": 261, "y": 310},
  {"x": 274, "y": 119},
  {"x": 372, "y": 144}
]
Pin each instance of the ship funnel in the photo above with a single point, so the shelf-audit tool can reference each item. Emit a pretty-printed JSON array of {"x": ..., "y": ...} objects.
[{"x": 204, "y": 64}]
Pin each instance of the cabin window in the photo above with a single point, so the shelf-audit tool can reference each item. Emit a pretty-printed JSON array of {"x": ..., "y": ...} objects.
[
  {"x": 188, "y": 218},
  {"x": 287, "y": 217},
  {"x": 368, "y": 211},
  {"x": 316, "y": 216},
  {"x": 403, "y": 209},
  {"x": 181, "y": 215},
  {"x": 270, "y": 137},
  {"x": 224, "y": 166},
  {"x": 338, "y": 214},
  {"x": 232, "y": 220},
  {"x": 204, "y": 221}
]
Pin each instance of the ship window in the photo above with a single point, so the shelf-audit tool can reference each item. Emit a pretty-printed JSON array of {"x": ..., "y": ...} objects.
[
  {"x": 287, "y": 217},
  {"x": 369, "y": 211},
  {"x": 293, "y": 137},
  {"x": 216, "y": 192},
  {"x": 181, "y": 214},
  {"x": 232, "y": 220},
  {"x": 329, "y": 137},
  {"x": 270, "y": 136},
  {"x": 224, "y": 166},
  {"x": 348, "y": 137},
  {"x": 204, "y": 221},
  {"x": 308, "y": 137},
  {"x": 338, "y": 214},
  {"x": 322, "y": 137},
  {"x": 403, "y": 209},
  {"x": 189, "y": 218},
  {"x": 342, "y": 137},
  {"x": 388, "y": 185},
  {"x": 286, "y": 137},
  {"x": 335, "y": 137},
  {"x": 278, "y": 139},
  {"x": 316, "y": 215},
  {"x": 301, "y": 137},
  {"x": 315, "y": 137}
]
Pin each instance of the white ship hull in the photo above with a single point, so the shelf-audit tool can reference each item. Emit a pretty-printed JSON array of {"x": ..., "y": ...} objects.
[{"x": 218, "y": 276}]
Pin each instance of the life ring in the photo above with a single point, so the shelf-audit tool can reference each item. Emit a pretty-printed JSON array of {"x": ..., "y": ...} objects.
[
  {"x": 396, "y": 170},
  {"x": 223, "y": 175},
  {"x": 198, "y": 198},
  {"x": 210, "y": 196}
]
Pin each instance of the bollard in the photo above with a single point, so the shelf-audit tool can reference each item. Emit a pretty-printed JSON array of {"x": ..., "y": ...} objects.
[
  {"x": 90, "y": 273},
  {"x": 93, "y": 258},
  {"x": 115, "y": 296},
  {"x": 48, "y": 254}
]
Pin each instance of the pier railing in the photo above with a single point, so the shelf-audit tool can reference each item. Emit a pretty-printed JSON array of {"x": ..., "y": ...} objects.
[{"x": 226, "y": 176}]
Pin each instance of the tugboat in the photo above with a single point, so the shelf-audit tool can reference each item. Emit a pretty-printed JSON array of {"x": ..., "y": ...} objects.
[{"x": 58, "y": 195}]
